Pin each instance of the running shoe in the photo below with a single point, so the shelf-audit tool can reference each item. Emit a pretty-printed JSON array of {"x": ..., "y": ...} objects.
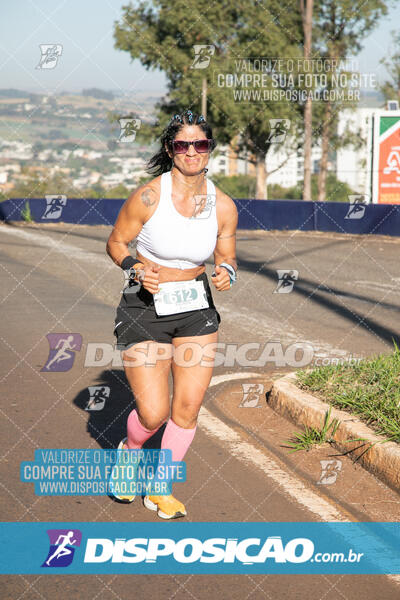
[
  {"x": 114, "y": 474},
  {"x": 167, "y": 507}
]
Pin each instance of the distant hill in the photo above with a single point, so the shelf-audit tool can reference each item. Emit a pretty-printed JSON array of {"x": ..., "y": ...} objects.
[
  {"x": 12, "y": 93},
  {"x": 98, "y": 93}
]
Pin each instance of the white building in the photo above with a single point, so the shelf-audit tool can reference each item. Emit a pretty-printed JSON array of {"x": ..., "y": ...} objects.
[
  {"x": 44, "y": 155},
  {"x": 352, "y": 163},
  {"x": 113, "y": 179},
  {"x": 285, "y": 166},
  {"x": 86, "y": 179},
  {"x": 93, "y": 155},
  {"x": 78, "y": 152},
  {"x": 282, "y": 166},
  {"x": 15, "y": 167},
  {"x": 131, "y": 165},
  {"x": 219, "y": 163},
  {"x": 16, "y": 150}
]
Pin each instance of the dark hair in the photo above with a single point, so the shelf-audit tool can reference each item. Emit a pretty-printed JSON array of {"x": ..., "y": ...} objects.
[{"x": 161, "y": 162}]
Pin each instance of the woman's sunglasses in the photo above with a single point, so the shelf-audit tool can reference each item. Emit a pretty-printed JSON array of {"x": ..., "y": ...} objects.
[{"x": 201, "y": 146}]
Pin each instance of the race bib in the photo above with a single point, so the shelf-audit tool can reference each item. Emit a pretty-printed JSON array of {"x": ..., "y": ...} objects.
[{"x": 180, "y": 296}]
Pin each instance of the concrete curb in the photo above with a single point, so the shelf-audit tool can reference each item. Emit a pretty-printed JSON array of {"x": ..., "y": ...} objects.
[{"x": 383, "y": 460}]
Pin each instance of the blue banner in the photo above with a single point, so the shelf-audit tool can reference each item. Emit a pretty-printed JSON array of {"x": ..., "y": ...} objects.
[
  {"x": 207, "y": 548},
  {"x": 99, "y": 472},
  {"x": 339, "y": 217}
]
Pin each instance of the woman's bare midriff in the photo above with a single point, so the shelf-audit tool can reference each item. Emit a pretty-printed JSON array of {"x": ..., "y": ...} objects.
[{"x": 172, "y": 274}]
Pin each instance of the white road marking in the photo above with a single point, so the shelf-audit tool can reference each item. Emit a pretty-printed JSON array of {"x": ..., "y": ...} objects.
[
  {"x": 378, "y": 285},
  {"x": 229, "y": 376},
  {"x": 248, "y": 454},
  {"x": 49, "y": 242},
  {"x": 258, "y": 321}
]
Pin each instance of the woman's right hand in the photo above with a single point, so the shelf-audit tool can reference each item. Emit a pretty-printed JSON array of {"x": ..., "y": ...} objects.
[{"x": 149, "y": 278}]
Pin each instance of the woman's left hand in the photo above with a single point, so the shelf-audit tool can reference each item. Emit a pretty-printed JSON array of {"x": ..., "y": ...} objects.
[{"x": 221, "y": 279}]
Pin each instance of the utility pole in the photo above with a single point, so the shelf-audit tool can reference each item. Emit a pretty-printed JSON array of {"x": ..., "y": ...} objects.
[{"x": 306, "y": 9}]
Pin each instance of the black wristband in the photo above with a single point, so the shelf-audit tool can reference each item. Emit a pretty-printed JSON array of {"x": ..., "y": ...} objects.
[{"x": 127, "y": 263}]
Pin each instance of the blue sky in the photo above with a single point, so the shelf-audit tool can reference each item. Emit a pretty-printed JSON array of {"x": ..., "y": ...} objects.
[{"x": 85, "y": 29}]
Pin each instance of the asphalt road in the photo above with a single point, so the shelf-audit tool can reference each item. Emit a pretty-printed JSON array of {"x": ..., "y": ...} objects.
[{"x": 344, "y": 303}]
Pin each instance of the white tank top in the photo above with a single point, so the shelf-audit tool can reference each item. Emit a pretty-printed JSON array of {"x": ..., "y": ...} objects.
[{"x": 172, "y": 240}]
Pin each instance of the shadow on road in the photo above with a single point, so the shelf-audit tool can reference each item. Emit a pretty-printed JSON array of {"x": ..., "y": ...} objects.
[
  {"x": 316, "y": 294},
  {"x": 108, "y": 425}
]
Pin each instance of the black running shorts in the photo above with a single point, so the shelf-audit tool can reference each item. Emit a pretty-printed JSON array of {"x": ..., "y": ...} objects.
[{"x": 137, "y": 321}]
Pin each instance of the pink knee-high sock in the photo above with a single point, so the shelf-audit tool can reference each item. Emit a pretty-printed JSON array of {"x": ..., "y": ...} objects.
[
  {"x": 136, "y": 433},
  {"x": 177, "y": 439}
]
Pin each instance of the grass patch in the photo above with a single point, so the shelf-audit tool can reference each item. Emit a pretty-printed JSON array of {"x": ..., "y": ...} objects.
[
  {"x": 26, "y": 213},
  {"x": 311, "y": 436},
  {"x": 369, "y": 389}
]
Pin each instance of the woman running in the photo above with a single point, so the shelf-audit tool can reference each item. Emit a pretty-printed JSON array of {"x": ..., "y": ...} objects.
[{"x": 179, "y": 219}]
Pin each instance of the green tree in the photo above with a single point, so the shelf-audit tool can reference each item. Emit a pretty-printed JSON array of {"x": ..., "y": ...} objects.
[
  {"x": 119, "y": 191},
  {"x": 336, "y": 191},
  {"x": 34, "y": 187},
  {"x": 306, "y": 12},
  {"x": 163, "y": 38},
  {"x": 391, "y": 88},
  {"x": 340, "y": 26},
  {"x": 236, "y": 186}
]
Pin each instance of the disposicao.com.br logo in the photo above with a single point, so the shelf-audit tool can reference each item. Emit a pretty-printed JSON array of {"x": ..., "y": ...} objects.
[
  {"x": 247, "y": 551},
  {"x": 204, "y": 547}
]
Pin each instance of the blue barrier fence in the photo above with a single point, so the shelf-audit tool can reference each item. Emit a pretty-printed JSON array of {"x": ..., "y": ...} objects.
[{"x": 382, "y": 219}]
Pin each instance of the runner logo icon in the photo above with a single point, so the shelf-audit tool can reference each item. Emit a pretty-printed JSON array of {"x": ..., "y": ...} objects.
[
  {"x": 251, "y": 395},
  {"x": 330, "y": 469},
  {"x": 50, "y": 55},
  {"x": 62, "y": 351},
  {"x": 62, "y": 547},
  {"x": 203, "y": 205},
  {"x": 357, "y": 206},
  {"x": 202, "y": 56},
  {"x": 129, "y": 126},
  {"x": 279, "y": 130},
  {"x": 54, "y": 207},
  {"x": 286, "y": 279},
  {"x": 98, "y": 396}
]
